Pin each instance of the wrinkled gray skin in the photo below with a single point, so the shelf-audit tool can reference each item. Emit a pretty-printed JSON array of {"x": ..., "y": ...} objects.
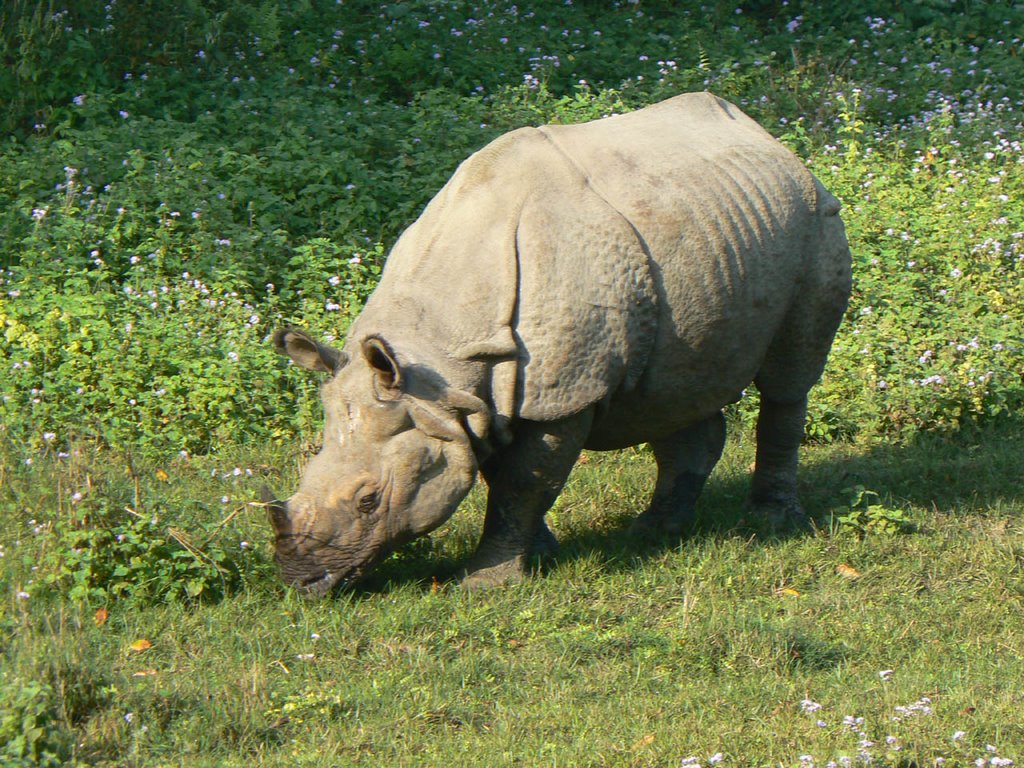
[{"x": 590, "y": 286}]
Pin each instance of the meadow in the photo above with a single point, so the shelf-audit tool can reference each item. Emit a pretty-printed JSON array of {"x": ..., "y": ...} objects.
[{"x": 178, "y": 180}]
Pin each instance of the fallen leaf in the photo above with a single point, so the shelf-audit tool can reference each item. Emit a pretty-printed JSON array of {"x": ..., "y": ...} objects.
[
  {"x": 141, "y": 645},
  {"x": 101, "y": 616},
  {"x": 145, "y": 673},
  {"x": 644, "y": 742},
  {"x": 847, "y": 571},
  {"x": 789, "y": 592},
  {"x": 434, "y": 585},
  {"x": 161, "y": 475}
]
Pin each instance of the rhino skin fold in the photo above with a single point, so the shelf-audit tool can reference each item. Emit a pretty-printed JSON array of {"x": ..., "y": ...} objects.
[{"x": 572, "y": 286}]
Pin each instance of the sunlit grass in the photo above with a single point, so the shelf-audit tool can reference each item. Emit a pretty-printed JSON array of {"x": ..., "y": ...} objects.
[
  {"x": 613, "y": 654},
  {"x": 160, "y": 214}
]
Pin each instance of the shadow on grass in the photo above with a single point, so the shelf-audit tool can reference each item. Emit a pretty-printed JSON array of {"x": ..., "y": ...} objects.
[{"x": 964, "y": 473}]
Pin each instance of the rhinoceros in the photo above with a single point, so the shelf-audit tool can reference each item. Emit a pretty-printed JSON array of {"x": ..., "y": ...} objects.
[{"x": 590, "y": 286}]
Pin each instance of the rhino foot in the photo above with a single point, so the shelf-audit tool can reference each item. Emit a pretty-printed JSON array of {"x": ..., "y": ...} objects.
[
  {"x": 780, "y": 513},
  {"x": 671, "y": 512},
  {"x": 480, "y": 577},
  {"x": 652, "y": 524},
  {"x": 493, "y": 566}
]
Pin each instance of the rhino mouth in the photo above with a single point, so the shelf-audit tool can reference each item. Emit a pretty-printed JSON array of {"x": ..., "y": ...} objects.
[
  {"x": 320, "y": 586},
  {"x": 324, "y": 582}
]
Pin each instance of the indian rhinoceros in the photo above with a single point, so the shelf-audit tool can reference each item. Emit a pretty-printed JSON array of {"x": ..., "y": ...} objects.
[{"x": 572, "y": 286}]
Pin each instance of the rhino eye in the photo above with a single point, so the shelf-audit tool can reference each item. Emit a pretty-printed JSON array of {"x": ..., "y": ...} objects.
[{"x": 368, "y": 502}]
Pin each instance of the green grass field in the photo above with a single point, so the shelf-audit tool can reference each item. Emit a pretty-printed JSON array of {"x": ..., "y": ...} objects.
[
  {"x": 177, "y": 180},
  {"x": 614, "y": 654}
]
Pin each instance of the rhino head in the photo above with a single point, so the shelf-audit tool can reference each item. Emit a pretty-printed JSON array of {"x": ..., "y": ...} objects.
[{"x": 395, "y": 463}]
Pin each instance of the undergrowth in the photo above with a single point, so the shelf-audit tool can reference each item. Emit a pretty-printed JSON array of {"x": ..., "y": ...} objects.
[{"x": 178, "y": 180}]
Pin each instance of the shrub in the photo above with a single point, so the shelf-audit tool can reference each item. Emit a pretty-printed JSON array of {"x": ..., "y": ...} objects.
[
  {"x": 866, "y": 514},
  {"x": 229, "y": 167},
  {"x": 106, "y": 555},
  {"x": 30, "y": 727}
]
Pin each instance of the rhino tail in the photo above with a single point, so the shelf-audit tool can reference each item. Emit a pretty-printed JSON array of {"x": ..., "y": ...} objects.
[{"x": 828, "y": 204}]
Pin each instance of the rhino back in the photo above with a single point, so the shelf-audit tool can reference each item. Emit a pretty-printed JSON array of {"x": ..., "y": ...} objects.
[
  {"x": 730, "y": 221},
  {"x": 517, "y": 272},
  {"x": 642, "y": 263}
]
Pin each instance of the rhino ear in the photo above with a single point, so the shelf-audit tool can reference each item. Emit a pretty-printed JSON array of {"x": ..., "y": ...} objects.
[
  {"x": 387, "y": 373},
  {"x": 307, "y": 352}
]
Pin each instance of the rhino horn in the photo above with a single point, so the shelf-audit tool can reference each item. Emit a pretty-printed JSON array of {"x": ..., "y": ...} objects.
[{"x": 277, "y": 511}]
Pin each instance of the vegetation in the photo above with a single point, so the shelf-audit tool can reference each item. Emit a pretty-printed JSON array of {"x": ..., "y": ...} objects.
[{"x": 176, "y": 180}]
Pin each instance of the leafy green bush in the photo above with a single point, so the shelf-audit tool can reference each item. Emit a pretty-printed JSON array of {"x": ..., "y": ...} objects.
[
  {"x": 867, "y": 514},
  {"x": 935, "y": 330},
  {"x": 156, "y": 336},
  {"x": 106, "y": 556},
  {"x": 224, "y": 168},
  {"x": 30, "y": 732}
]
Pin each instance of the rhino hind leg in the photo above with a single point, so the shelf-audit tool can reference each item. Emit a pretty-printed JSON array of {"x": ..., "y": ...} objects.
[
  {"x": 524, "y": 479},
  {"x": 793, "y": 364},
  {"x": 773, "y": 494},
  {"x": 685, "y": 460},
  {"x": 545, "y": 543}
]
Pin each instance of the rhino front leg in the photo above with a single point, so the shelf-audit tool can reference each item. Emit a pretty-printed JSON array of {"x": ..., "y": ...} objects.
[
  {"x": 524, "y": 479},
  {"x": 780, "y": 429},
  {"x": 685, "y": 460}
]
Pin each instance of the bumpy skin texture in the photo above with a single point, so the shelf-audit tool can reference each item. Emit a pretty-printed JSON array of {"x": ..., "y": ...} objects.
[{"x": 595, "y": 285}]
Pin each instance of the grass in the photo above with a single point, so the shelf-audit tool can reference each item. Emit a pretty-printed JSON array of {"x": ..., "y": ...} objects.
[
  {"x": 614, "y": 655},
  {"x": 177, "y": 182}
]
